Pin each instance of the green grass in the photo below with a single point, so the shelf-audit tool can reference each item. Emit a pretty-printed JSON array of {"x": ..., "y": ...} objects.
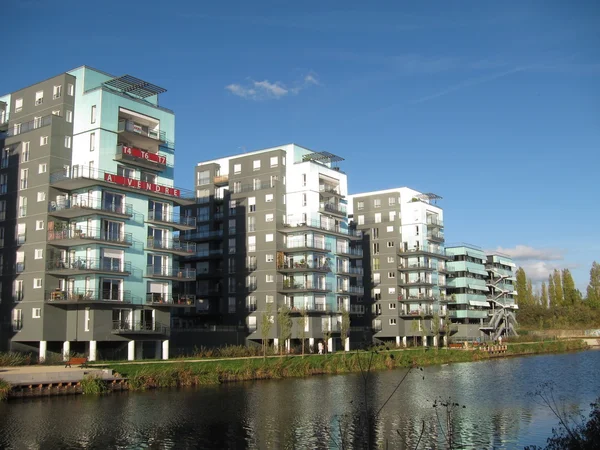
[
  {"x": 5, "y": 388},
  {"x": 93, "y": 385},
  {"x": 182, "y": 373}
]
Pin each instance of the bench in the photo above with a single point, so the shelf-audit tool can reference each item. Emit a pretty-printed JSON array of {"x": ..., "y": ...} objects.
[{"x": 81, "y": 362}]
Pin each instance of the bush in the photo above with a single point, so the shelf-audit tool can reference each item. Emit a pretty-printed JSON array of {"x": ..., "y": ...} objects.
[
  {"x": 5, "y": 388},
  {"x": 93, "y": 385},
  {"x": 15, "y": 359}
]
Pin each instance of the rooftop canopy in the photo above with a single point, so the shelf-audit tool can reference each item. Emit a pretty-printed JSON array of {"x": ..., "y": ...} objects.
[
  {"x": 323, "y": 157},
  {"x": 135, "y": 86},
  {"x": 428, "y": 196}
]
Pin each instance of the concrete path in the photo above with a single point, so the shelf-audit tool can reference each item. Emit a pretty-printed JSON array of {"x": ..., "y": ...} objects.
[{"x": 50, "y": 374}]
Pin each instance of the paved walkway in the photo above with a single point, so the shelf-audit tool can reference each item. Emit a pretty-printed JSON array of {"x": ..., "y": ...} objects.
[{"x": 49, "y": 374}]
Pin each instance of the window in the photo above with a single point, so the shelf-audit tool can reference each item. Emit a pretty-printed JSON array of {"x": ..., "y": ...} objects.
[
  {"x": 232, "y": 226},
  {"x": 391, "y": 274},
  {"x": 56, "y": 112},
  {"x": 376, "y": 248},
  {"x": 251, "y": 303},
  {"x": 269, "y": 198},
  {"x": 269, "y": 257},
  {"x": 377, "y": 203},
  {"x": 377, "y": 217},
  {"x": 269, "y": 298},
  {"x": 39, "y": 225},
  {"x": 375, "y": 233},
  {"x": 70, "y": 89},
  {"x": 274, "y": 161},
  {"x": 360, "y": 205},
  {"x": 270, "y": 278},
  {"x": 303, "y": 179},
  {"x": 22, "y": 206},
  {"x": 67, "y": 141},
  {"x": 39, "y": 97},
  {"x": 18, "y": 290},
  {"x": 43, "y": 168},
  {"x": 252, "y": 204},
  {"x": 376, "y": 278},
  {"x": 392, "y": 216},
  {"x": 231, "y": 246},
  {"x": 38, "y": 253},
  {"x": 251, "y": 223},
  {"x": 269, "y": 237},
  {"x": 361, "y": 220},
  {"x": 390, "y": 259},
  {"x": 43, "y": 140},
  {"x": 390, "y": 228},
  {"x": 237, "y": 168},
  {"x": 232, "y": 206},
  {"x": 86, "y": 319},
  {"x": 392, "y": 290},
  {"x": 69, "y": 116},
  {"x": 24, "y": 178},
  {"x": 92, "y": 142},
  {"x": 417, "y": 229},
  {"x": 203, "y": 177},
  {"x": 392, "y": 201},
  {"x": 256, "y": 164},
  {"x": 375, "y": 263},
  {"x": 390, "y": 244},
  {"x": 37, "y": 283},
  {"x": 392, "y": 321},
  {"x": 268, "y": 217},
  {"x": 17, "y": 128},
  {"x": 56, "y": 92},
  {"x": 18, "y": 105},
  {"x": 303, "y": 199},
  {"x": 203, "y": 195},
  {"x": 125, "y": 172},
  {"x": 93, "y": 115},
  {"x": 37, "y": 122},
  {"x": 231, "y": 305},
  {"x": 251, "y": 243},
  {"x": 2, "y": 209},
  {"x": 36, "y": 313}
]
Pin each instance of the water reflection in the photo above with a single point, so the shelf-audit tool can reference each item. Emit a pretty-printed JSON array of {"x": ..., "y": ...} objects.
[{"x": 318, "y": 412}]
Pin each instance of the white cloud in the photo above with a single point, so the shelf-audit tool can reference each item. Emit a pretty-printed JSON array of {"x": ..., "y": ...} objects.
[
  {"x": 538, "y": 271},
  {"x": 266, "y": 90},
  {"x": 527, "y": 253}
]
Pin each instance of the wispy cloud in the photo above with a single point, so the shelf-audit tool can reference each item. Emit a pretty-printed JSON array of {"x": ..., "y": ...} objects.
[
  {"x": 267, "y": 90},
  {"x": 525, "y": 252}
]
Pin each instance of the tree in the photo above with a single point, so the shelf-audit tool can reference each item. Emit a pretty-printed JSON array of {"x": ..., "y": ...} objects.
[
  {"x": 345, "y": 327},
  {"x": 523, "y": 298},
  {"x": 558, "y": 290},
  {"x": 266, "y": 324},
  {"x": 531, "y": 300},
  {"x": 284, "y": 320},
  {"x": 571, "y": 294},
  {"x": 436, "y": 328},
  {"x": 551, "y": 292},
  {"x": 415, "y": 326},
  {"x": 593, "y": 289},
  {"x": 302, "y": 322},
  {"x": 544, "y": 296}
]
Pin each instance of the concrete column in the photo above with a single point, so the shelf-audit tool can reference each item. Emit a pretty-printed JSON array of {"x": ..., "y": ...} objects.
[
  {"x": 92, "y": 356},
  {"x": 330, "y": 348},
  {"x": 404, "y": 341},
  {"x": 165, "y": 349},
  {"x": 43, "y": 351},
  {"x": 445, "y": 341},
  {"x": 347, "y": 344},
  {"x": 397, "y": 341},
  {"x": 276, "y": 345},
  {"x": 131, "y": 350},
  {"x": 424, "y": 341},
  {"x": 311, "y": 344},
  {"x": 66, "y": 350},
  {"x": 435, "y": 341},
  {"x": 158, "y": 350},
  {"x": 288, "y": 344}
]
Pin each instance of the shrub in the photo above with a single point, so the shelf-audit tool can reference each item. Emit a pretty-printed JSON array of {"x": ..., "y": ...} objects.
[
  {"x": 93, "y": 385},
  {"x": 5, "y": 387}
]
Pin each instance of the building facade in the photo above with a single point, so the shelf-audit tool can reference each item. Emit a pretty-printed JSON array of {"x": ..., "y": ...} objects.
[
  {"x": 89, "y": 226},
  {"x": 405, "y": 265},
  {"x": 272, "y": 230}
]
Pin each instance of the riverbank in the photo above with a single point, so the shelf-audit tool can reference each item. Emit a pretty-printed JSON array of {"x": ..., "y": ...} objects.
[{"x": 194, "y": 373}]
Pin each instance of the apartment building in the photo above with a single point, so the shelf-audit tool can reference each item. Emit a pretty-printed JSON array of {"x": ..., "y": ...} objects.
[
  {"x": 481, "y": 290},
  {"x": 272, "y": 229},
  {"x": 88, "y": 221},
  {"x": 405, "y": 265}
]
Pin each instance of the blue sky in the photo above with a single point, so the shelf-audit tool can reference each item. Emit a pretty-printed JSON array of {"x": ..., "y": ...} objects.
[{"x": 495, "y": 106}]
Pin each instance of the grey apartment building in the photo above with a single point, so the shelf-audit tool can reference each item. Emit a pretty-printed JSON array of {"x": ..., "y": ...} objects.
[{"x": 272, "y": 229}]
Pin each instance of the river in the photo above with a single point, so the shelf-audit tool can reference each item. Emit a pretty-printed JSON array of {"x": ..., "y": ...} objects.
[{"x": 317, "y": 412}]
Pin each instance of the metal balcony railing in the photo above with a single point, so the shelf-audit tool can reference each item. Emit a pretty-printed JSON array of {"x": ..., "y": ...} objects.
[
  {"x": 89, "y": 295},
  {"x": 306, "y": 286},
  {"x": 90, "y": 233},
  {"x": 204, "y": 234},
  {"x": 333, "y": 208},
  {"x": 170, "y": 272},
  {"x": 174, "y": 299},
  {"x": 177, "y": 219},
  {"x": 175, "y": 246},
  {"x": 324, "y": 226},
  {"x": 99, "y": 205},
  {"x": 120, "y": 326},
  {"x": 129, "y": 125},
  {"x": 28, "y": 126},
  {"x": 309, "y": 244},
  {"x": 90, "y": 264},
  {"x": 350, "y": 251}
]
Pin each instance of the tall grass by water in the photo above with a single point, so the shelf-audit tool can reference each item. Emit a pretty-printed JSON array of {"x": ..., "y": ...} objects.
[{"x": 4, "y": 389}]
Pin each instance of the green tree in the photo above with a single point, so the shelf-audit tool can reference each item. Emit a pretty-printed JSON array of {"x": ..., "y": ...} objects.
[
  {"x": 415, "y": 326},
  {"x": 531, "y": 298},
  {"x": 345, "y": 327},
  {"x": 558, "y": 290},
  {"x": 593, "y": 289},
  {"x": 571, "y": 294},
  {"x": 266, "y": 324},
  {"x": 551, "y": 292},
  {"x": 544, "y": 296},
  {"x": 302, "y": 322},
  {"x": 284, "y": 320},
  {"x": 523, "y": 297},
  {"x": 436, "y": 328}
]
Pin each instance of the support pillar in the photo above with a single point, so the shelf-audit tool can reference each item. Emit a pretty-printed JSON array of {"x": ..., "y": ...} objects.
[
  {"x": 92, "y": 355},
  {"x": 43, "y": 351},
  {"x": 158, "y": 350},
  {"x": 424, "y": 341},
  {"x": 288, "y": 344},
  {"x": 435, "y": 341},
  {"x": 165, "y": 349},
  {"x": 131, "y": 350},
  {"x": 276, "y": 345},
  {"x": 397, "y": 341},
  {"x": 66, "y": 350},
  {"x": 404, "y": 341},
  {"x": 330, "y": 348},
  {"x": 311, "y": 345},
  {"x": 445, "y": 341},
  {"x": 347, "y": 344}
]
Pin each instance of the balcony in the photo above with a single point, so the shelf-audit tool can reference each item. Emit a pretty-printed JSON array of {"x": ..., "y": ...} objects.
[
  {"x": 205, "y": 235},
  {"x": 25, "y": 127},
  {"x": 301, "y": 266},
  {"x": 168, "y": 301},
  {"x": 82, "y": 266},
  {"x": 82, "y": 177},
  {"x": 141, "y": 158},
  {"x": 181, "y": 223},
  {"x": 210, "y": 273},
  {"x": 312, "y": 307},
  {"x": 218, "y": 216},
  {"x": 4, "y": 117},
  {"x": 418, "y": 267},
  {"x": 350, "y": 290},
  {"x": 405, "y": 312},
  {"x": 333, "y": 209},
  {"x": 221, "y": 180},
  {"x": 418, "y": 282},
  {"x": 435, "y": 222},
  {"x": 205, "y": 254},
  {"x": 259, "y": 185},
  {"x": 435, "y": 237},
  {"x": 214, "y": 291},
  {"x": 351, "y": 271},
  {"x": 168, "y": 273},
  {"x": 329, "y": 190},
  {"x": 293, "y": 227},
  {"x": 140, "y": 134},
  {"x": 424, "y": 251},
  {"x": 308, "y": 286},
  {"x": 87, "y": 296},
  {"x": 350, "y": 252},
  {"x": 308, "y": 245},
  {"x": 70, "y": 210},
  {"x": 139, "y": 327},
  {"x": 88, "y": 236}
]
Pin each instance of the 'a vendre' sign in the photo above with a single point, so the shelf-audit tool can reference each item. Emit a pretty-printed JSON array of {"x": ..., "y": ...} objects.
[
  {"x": 141, "y": 185},
  {"x": 138, "y": 153}
]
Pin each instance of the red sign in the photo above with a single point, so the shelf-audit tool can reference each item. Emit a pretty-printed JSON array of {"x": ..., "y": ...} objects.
[
  {"x": 137, "y": 153},
  {"x": 142, "y": 185}
]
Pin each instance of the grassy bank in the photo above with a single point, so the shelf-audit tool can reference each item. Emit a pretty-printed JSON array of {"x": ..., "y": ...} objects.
[{"x": 182, "y": 373}]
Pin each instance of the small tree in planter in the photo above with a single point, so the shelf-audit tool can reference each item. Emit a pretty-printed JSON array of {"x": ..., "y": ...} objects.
[
  {"x": 265, "y": 327},
  {"x": 345, "y": 327},
  {"x": 285, "y": 326},
  {"x": 302, "y": 322}
]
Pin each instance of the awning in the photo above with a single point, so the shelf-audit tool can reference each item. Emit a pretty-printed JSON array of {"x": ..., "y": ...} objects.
[
  {"x": 478, "y": 287},
  {"x": 477, "y": 271},
  {"x": 479, "y": 303}
]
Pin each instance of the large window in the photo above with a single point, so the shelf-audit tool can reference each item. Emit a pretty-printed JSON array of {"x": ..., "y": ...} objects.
[
  {"x": 113, "y": 202},
  {"x": 112, "y": 231},
  {"x": 111, "y": 289}
]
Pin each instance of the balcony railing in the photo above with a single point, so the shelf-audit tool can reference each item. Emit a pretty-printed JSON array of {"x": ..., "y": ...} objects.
[
  {"x": 129, "y": 125},
  {"x": 89, "y": 295},
  {"x": 120, "y": 326},
  {"x": 333, "y": 208},
  {"x": 422, "y": 249},
  {"x": 350, "y": 251},
  {"x": 416, "y": 312},
  {"x": 154, "y": 298},
  {"x": 169, "y": 272},
  {"x": 208, "y": 253},
  {"x": 257, "y": 186},
  {"x": 176, "y": 219},
  {"x": 416, "y": 267},
  {"x": 351, "y": 270},
  {"x": 92, "y": 265},
  {"x": 141, "y": 157},
  {"x": 324, "y": 226},
  {"x": 93, "y": 234},
  {"x": 28, "y": 126},
  {"x": 204, "y": 235},
  {"x": 306, "y": 286},
  {"x": 304, "y": 266},
  {"x": 221, "y": 179},
  {"x": 435, "y": 236},
  {"x": 434, "y": 221},
  {"x": 170, "y": 245},
  {"x": 309, "y": 244},
  {"x": 329, "y": 189},
  {"x": 68, "y": 205},
  {"x": 19, "y": 267},
  {"x": 352, "y": 290}
]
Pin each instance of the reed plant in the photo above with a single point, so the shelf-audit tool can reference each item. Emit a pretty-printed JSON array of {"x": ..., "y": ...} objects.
[
  {"x": 5, "y": 388},
  {"x": 93, "y": 385}
]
